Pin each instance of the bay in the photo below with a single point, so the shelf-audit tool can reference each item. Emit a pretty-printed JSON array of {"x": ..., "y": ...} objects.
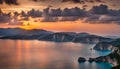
[{"x": 34, "y": 54}]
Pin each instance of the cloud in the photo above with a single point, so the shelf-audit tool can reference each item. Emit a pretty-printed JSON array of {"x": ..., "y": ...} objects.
[
  {"x": 101, "y": 14},
  {"x": 33, "y": 13},
  {"x": 72, "y": 18},
  {"x": 25, "y": 18},
  {"x": 91, "y": 18},
  {"x": 97, "y": 14},
  {"x": 109, "y": 19},
  {"x": 102, "y": 19},
  {"x": 49, "y": 15},
  {"x": 4, "y": 17},
  {"x": 10, "y": 20},
  {"x": 15, "y": 2},
  {"x": 76, "y": 1},
  {"x": 102, "y": 9},
  {"x": 49, "y": 19},
  {"x": 1, "y": 2},
  {"x": 67, "y": 14}
]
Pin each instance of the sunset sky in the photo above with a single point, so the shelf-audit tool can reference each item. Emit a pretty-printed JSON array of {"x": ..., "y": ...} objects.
[
  {"x": 61, "y": 15},
  {"x": 18, "y": 5}
]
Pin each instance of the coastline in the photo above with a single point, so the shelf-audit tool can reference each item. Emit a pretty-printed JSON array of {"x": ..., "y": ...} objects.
[{"x": 112, "y": 58}]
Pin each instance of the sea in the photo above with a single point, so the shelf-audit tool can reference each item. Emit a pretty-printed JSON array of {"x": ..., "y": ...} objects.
[{"x": 36, "y": 54}]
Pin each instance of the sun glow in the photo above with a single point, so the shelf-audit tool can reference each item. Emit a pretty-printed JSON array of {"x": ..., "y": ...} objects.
[
  {"x": 72, "y": 27},
  {"x": 67, "y": 26},
  {"x": 26, "y": 27}
]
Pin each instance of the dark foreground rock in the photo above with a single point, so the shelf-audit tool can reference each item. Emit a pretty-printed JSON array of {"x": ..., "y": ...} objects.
[
  {"x": 98, "y": 59},
  {"x": 91, "y": 60},
  {"x": 81, "y": 59}
]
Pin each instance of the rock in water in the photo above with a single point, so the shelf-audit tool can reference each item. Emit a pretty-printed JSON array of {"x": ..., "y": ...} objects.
[
  {"x": 81, "y": 59},
  {"x": 91, "y": 60}
]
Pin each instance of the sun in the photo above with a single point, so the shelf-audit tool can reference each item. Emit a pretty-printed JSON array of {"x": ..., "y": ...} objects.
[{"x": 27, "y": 26}]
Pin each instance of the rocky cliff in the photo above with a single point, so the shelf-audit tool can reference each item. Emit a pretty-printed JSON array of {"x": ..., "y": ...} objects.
[
  {"x": 113, "y": 57},
  {"x": 104, "y": 46}
]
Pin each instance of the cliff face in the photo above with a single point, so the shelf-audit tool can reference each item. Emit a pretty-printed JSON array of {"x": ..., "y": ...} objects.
[
  {"x": 114, "y": 56},
  {"x": 91, "y": 39},
  {"x": 104, "y": 46},
  {"x": 113, "y": 45},
  {"x": 58, "y": 37}
]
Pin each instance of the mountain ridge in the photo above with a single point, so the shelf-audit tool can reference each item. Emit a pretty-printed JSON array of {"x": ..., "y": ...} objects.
[{"x": 39, "y": 34}]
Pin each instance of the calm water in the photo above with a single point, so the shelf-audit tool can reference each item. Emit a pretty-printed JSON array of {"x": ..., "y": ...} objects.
[{"x": 34, "y": 54}]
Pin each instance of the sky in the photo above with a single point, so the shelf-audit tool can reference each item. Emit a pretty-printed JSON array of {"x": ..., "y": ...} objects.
[
  {"x": 47, "y": 14},
  {"x": 18, "y": 5}
]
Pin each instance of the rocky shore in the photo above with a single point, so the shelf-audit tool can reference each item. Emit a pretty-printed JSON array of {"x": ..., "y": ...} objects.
[
  {"x": 81, "y": 59},
  {"x": 113, "y": 57}
]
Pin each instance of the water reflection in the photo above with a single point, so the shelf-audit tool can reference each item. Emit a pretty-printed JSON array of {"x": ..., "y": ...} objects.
[{"x": 33, "y": 54}]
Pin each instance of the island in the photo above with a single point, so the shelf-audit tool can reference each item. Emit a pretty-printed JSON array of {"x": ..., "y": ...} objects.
[
  {"x": 81, "y": 59},
  {"x": 39, "y": 34}
]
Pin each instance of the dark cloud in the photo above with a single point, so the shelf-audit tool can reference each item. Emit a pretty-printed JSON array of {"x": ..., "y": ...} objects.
[
  {"x": 4, "y": 17},
  {"x": 99, "y": 1},
  {"x": 35, "y": 0},
  {"x": 102, "y": 19},
  {"x": 109, "y": 19},
  {"x": 101, "y": 14},
  {"x": 76, "y": 1},
  {"x": 1, "y": 2},
  {"x": 66, "y": 14},
  {"x": 102, "y": 9},
  {"x": 91, "y": 18},
  {"x": 10, "y": 20},
  {"x": 72, "y": 18},
  {"x": 97, "y": 14},
  {"x": 49, "y": 15},
  {"x": 32, "y": 13},
  {"x": 9, "y": 2},
  {"x": 83, "y": 1},
  {"x": 49, "y": 19},
  {"x": 25, "y": 18}
]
